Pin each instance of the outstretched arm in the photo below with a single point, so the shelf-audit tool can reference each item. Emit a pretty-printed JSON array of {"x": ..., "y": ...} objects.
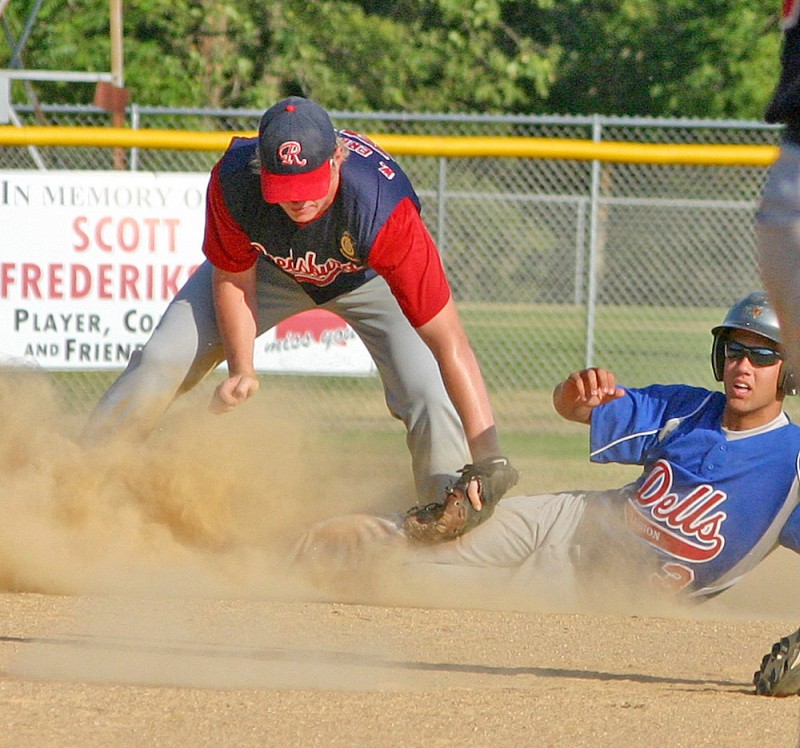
[
  {"x": 463, "y": 380},
  {"x": 582, "y": 391},
  {"x": 235, "y": 306}
]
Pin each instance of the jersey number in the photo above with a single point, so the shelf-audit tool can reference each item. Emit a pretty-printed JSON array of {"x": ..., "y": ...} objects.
[{"x": 672, "y": 577}]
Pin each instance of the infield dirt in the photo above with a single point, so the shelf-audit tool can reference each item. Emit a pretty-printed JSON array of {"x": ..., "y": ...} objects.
[{"x": 146, "y": 603}]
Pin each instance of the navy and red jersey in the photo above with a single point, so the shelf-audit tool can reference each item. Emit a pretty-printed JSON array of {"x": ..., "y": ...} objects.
[
  {"x": 711, "y": 503},
  {"x": 373, "y": 227}
]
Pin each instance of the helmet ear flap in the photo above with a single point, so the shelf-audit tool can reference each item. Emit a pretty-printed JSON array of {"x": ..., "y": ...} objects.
[
  {"x": 718, "y": 355},
  {"x": 789, "y": 381}
]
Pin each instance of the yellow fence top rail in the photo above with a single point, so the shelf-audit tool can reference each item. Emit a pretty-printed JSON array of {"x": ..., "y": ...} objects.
[{"x": 412, "y": 145}]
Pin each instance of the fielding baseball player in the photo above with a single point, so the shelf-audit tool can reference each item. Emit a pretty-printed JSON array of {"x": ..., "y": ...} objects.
[
  {"x": 778, "y": 237},
  {"x": 301, "y": 217},
  {"x": 717, "y": 493}
]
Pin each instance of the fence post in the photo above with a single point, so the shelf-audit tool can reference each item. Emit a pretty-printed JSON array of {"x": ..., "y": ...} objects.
[
  {"x": 135, "y": 121},
  {"x": 580, "y": 250},
  {"x": 594, "y": 249},
  {"x": 441, "y": 199}
]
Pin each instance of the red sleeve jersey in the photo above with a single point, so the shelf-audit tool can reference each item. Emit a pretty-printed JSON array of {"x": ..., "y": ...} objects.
[
  {"x": 405, "y": 255},
  {"x": 225, "y": 243}
]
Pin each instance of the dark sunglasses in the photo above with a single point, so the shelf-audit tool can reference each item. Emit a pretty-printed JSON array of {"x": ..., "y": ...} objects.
[{"x": 758, "y": 355}]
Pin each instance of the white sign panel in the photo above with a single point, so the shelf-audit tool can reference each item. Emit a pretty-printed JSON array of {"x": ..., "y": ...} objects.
[
  {"x": 90, "y": 260},
  {"x": 314, "y": 342}
]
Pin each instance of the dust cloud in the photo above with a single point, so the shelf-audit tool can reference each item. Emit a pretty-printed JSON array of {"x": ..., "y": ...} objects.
[
  {"x": 207, "y": 505},
  {"x": 175, "y": 552},
  {"x": 212, "y": 506}
]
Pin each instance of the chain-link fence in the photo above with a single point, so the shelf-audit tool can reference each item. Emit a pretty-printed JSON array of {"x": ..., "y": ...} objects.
[{"x": 553, "y": 263}]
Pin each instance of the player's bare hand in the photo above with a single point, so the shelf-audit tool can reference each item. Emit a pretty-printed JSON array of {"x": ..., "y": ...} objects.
[
  {"x": 583, "y": 391},
  {"x": 594, "y": 386},
  {"x": 232, "y": 392},
  {"x": 474, "y": 493}
]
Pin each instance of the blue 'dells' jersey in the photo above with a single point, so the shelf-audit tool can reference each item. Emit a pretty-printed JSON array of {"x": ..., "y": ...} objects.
[{"x": 710, "y": 507}]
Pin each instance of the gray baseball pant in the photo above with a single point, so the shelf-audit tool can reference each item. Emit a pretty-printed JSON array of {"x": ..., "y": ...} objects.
[
  {"x": 530, "y": 545},
  {"x": 778, "y": 237},
  {"x": 186, "y": 346}
]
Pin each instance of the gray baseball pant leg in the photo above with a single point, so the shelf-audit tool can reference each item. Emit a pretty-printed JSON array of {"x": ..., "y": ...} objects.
[
  {"x": 526, "y": 550},
  {"x": 528, "y": 546},
  {"x": 521, "y": 529},
  {"x": 412, "y": 384},
  {"x": 778, "y": 238},
  {"x": 183, "y": 349}
]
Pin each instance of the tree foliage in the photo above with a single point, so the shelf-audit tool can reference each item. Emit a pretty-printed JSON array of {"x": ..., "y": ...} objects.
[
  {"x": 717, "y": 58},
  {"x": 639, "y": 57}
]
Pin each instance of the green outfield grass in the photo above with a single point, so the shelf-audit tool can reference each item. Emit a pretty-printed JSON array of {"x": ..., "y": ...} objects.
[
  {"x": 548, "y": 461},
  {"x": 642, "y": 344},
  {"x": 525, "y": 350}
]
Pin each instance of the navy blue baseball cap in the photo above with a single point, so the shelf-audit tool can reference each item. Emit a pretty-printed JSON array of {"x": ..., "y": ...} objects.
[{"x": 296, "y": 141}]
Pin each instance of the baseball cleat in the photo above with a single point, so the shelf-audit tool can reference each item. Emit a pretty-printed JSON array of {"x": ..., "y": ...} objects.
[{"x": 777, "y": 675}]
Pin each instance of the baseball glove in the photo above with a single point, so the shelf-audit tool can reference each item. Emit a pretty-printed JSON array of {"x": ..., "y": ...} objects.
[
  {"x": 441, "y": 521},
  {"x": 779, "y": 674}
]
